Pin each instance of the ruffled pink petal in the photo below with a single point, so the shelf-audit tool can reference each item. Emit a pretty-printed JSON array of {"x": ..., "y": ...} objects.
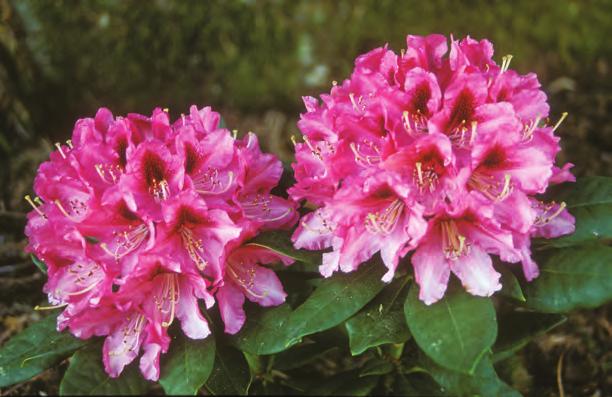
[
  {"x": 231, "y": 300},
  {"x": 149, "y": 362},
  {"x": 188, "y": 312},
  {"x": 431, "y": 271},
  {"x": 476, "y": 272}
]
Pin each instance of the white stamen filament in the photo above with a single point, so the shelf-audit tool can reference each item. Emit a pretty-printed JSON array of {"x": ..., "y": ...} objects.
[
  {"x": 59, "y": 147},
  {"x": 364, "y": 158},
  {"x": 563, "y": 117},
  {"x": 246, "y": 284},
  {"x": 385, "y": 223},
  {"x": 454, "y": 244},
  {"x": 194, "y": 248},
  {"x": 506, "y": 63},
  {"x": 127, "y": 241},
  {"x": 133, "y": 328},
  {"x": 544, "y": 219},
  {"x": 208, "y": 182},
  {"x": 170, "y": 293},
  {"x": 489, "y": 186},
  {"x": 473, "y": 132},
  {"x": 39, "y": 308},
  {"x": 59, "y": 205}
]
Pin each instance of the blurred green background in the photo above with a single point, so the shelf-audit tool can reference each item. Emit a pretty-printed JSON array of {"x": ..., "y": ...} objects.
[{"x": 252, "y": 61}]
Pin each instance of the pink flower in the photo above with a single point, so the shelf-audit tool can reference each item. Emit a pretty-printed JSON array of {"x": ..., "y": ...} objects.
[
  {"x": 459, "y": 143},
  {"x": 246, "y": 278},
  {"x": 138, "y": 220}
]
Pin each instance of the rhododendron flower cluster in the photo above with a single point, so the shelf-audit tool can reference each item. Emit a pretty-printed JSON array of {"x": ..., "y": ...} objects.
[
  {"x": 140, "y": 220},
  {"x": 435, "y": 152}
]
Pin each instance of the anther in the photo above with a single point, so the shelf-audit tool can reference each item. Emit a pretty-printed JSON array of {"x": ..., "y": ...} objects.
[
  {"x": 29, "y": 200},
  {"x": 69, "y": 143},
  {"x": 235, "y": 134}
]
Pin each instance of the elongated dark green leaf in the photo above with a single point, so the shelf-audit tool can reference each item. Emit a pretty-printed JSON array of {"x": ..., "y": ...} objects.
[
  {"x": 454, "y": 332},
  {"x": 483, "y": 382},
  {"x": 588, "y": 190},
  {"x": 265, "y": 331},
  {"x": 571, "y": 278},
  {"x": 187, "y": 365},
  {"x": 39, "y": 264},
  {"x": 85, "y": 376},
  {"x": 281, "y": 242},
  {"x": 336, "y": 299},
  {"x": 589, "y": 200},
  {"x": 34, "y": 350},
  {"x": 517, "y": 328},
  {"x": 333, "y": 301},
  {"x": 231, "y": 374},
  {"x": 381, "y": 321}
]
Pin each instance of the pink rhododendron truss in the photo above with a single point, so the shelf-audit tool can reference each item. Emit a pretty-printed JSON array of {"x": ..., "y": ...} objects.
[
  {"x": 139, "y": 220},
  {"x": 436, "y": 151}
]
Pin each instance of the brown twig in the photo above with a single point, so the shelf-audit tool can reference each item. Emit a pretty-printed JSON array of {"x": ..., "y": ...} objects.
[{"x": 559, "y": 375}]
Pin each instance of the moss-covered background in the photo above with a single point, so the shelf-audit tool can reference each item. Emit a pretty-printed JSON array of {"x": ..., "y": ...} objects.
[{"x": 253, "y": 60}]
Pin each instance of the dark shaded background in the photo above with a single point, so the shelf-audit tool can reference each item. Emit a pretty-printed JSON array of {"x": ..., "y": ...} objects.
[{"x": 252, "y": 61}]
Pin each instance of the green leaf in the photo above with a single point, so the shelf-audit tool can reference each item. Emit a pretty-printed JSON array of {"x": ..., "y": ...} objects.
[
  {"x": 510, "y": 284},
  {"x": 572, "y": 278},
  {"x": 187, "y": 365},
  {"x": 381, "y": 321},
  {"x": 483, "y": 382},
  {"x": 34, "y": 350},
  {"x": 376, "y": 366},
  {"x": 86, "y": 376},
  {"x": 39, "y": 264},
  {"x": 336, "y": 299},
  {"x": 231, "y": 374},
  {"x": 456, "y": 331},
  {"x": 589, "y": 200},
  {"x": 516, "y": 329},
  {"x": 265, "y": 330},
  {"x": 333, "y": 301},
  {"x": 280, "y": 242}
]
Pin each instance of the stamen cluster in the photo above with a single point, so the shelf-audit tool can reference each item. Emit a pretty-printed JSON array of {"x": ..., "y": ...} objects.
[
  {"x": 436, "y": 152},
  {"x": 139, "y": 220}
]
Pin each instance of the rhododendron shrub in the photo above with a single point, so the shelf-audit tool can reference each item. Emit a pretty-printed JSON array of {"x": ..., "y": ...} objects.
[
  {"x": 436, "y": 152},
  {"x": 139, "y": 220},
  {"x": 436, "y": 237}
]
